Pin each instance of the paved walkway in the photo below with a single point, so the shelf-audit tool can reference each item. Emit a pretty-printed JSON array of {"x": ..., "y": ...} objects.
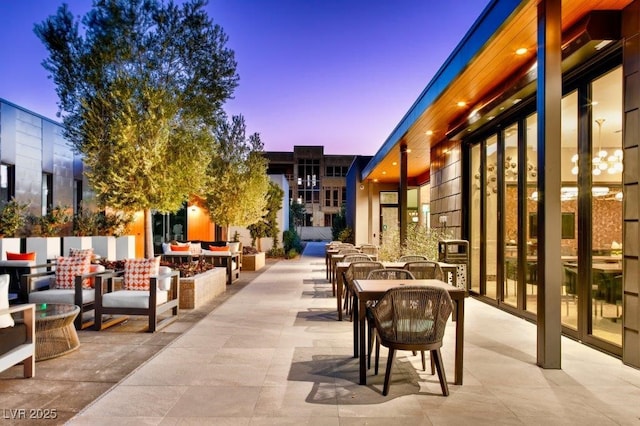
[{"x": 274, "y": 353}]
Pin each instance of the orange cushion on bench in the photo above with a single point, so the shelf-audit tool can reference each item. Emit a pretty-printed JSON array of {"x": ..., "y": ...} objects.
[{"x": 21, "y": 256}]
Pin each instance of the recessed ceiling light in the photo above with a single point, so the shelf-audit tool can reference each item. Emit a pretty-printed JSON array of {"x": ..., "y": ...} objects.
[
  {"x": 395, "y": 163},
  {"x": 517, "y": 100},
  {"x": 384, "y": 173},
  {"x": 521, "y": 51},
  {"x": 594, "y": 103},
  {"x": 429, "y": 132},
  {"x": 462, "y": 103},
  {"x": 375, "y": 180},
  {"x": 408, "y": 150}
]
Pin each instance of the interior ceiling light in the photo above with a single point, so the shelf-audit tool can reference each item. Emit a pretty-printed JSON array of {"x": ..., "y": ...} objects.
[
  {"x": 384, "y": 172},
  {"x": 601, "y": 161},
  {"x": 395, "y": 163},
  {"x": 429, "y": 132},
  {"x": 521, "y": 51},
  {"x": 462, "y": 104}
]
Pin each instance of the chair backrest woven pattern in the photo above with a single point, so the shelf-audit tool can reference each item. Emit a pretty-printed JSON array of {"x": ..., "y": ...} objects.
[
  {"x": 390, "y": 274},
  {"x": 356, "y": 258},
  {"x": 360, "y": 271},
  {"x": 413, "y": 314},
  {"x": 424, "y": 269},
  {"x": 412, "y": 258}
]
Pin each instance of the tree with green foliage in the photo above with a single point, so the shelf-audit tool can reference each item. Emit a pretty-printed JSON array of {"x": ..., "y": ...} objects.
[
  {"x": 339, "y": 224},
  {"x": 238, "y": 181},
  {"x": 296, "y": 215},
  {"x": 267, "y": 226},
  {"x": 140, "y": 89}
]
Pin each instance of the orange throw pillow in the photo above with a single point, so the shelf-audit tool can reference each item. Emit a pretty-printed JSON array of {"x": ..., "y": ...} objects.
[
  {"x": 21, "y": 256},
  {"x": 217, "y": 248},
  {"x": 175, "y": 247}
]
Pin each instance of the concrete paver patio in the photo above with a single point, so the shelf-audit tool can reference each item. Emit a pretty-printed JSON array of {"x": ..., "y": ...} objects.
[{"x": 274, "y": 353}]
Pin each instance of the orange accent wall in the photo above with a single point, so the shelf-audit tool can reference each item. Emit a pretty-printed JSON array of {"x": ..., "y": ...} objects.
[
  {"x": 137, "y": 229},
  {"x": 199, "y": 225}
]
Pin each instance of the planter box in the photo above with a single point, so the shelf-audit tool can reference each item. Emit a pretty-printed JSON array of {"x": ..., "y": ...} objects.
[
  {"x": 201, "y": 288},
  {"x": 125, "y": 247},
  {"x": 253, "y": 262},
  {"x": 11, "y": 245},
  {"x": 76, "y": 243},
  {"x": 104, "y": 246},
  {"x": 45, "y": 247}
]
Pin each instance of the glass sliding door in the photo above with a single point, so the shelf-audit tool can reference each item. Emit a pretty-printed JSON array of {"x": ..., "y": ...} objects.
[
  {"x": 569, "y": 207},
  {"x": 475, "y": 237},
  {"x": 511, "y": 208},
  {"x": 531, "y": 210},
  {"x": 606, "y": 208},
  {"x": 491, "y": 211}
]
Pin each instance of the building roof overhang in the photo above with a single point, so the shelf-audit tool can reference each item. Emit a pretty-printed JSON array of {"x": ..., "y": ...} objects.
[{"x": 484, "y": 75}]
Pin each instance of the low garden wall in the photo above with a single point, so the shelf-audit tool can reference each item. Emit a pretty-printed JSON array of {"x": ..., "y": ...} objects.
[
  {"x": 253, "y": 262},
  {"x": 201, "y": 288}
]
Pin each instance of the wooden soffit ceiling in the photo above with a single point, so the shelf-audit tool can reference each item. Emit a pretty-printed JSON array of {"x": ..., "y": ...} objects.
[{"x": 493, "y": 64}]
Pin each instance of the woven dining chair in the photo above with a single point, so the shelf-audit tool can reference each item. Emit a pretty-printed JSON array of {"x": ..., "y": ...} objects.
[
  {"x": 383, "y": 274},
  {"x": 412, "y": 318},
  {"x": 412, "y": 258},
  {"x": 356, "y": 271},
  {"x": 350, "y": 258},
  {"x": 424, "y": 269}
]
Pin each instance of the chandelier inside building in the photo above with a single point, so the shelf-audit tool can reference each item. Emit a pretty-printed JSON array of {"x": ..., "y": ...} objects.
[{"x": 602, "y": 161}]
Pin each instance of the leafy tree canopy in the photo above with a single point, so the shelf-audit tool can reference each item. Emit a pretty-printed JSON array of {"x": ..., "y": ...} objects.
[
  {"x": 140, "y": 87},
  {"x": 238, "y": 176}
]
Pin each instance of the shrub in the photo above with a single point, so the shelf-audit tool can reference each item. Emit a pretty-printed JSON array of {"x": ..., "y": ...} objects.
[
  {"x": 420, "y": 241},
  {"x": 276, "y": 252},
  {"x": 12, "y": 217},
  {"x": 292, "y": 253},
  {"x": 291, "y": 240}
]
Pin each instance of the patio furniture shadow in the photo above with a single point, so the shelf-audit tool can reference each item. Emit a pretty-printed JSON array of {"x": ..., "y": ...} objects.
[{"x": 335, "y": 380}]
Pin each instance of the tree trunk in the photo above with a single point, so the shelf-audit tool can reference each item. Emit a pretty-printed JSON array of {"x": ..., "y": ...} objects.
[{"x": 148, "y": 235}]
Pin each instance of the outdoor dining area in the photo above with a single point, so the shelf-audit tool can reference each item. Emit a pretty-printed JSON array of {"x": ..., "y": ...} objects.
[
  {"x": 271, "y": 350},
  {"x": 362, "y": 284}
]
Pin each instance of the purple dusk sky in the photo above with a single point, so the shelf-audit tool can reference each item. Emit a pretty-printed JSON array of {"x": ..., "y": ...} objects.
[{"x": 338, "y": 73}]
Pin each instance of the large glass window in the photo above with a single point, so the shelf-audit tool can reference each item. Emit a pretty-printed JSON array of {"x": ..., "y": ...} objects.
[
  {"x": 606, "y": 207},
  {"x": 569, "y": 207},
  {"x": 491, "y": 210},
  {"x": 511, "y": 207},
  {"x": 7, "y": 182},
  {"x": 531, "y": 209},
  {"x": 475, "y": 238}
]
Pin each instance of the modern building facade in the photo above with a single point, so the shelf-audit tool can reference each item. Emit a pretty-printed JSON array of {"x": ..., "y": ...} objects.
[
  {"x": 527, "y": 143},
  {"x": 316, "y": 180}
]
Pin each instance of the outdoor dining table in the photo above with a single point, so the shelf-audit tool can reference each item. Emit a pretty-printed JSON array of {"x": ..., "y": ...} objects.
[
  {"x": 370, "y": 290},
  {"x": 340, "y": 267}
]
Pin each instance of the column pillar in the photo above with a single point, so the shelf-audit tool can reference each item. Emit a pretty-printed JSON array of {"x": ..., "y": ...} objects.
[
  {"x": 403, "y": 193},
  {"x": 549, "y": 98}
]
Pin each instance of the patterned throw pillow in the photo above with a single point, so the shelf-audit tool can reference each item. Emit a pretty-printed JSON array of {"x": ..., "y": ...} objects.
[
  {"x": 68, "y": 267},
  {"x": 176, "y": 247},
  {"x": 80, "y": 252},
  {"x": 137, "y": 273}
]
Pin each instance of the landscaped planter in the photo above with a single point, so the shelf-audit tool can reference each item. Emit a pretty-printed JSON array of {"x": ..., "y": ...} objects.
[
  {"x": 253, "y": 262},
  {"x": 125, "y": 247},
  {"x": 11, "y": 245},
  {"x": 104, "y": 246},
  {"x": 75, "y": 243},
  {"x": 46, "y": 248},
  {"x": 201, "y": 288}
]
